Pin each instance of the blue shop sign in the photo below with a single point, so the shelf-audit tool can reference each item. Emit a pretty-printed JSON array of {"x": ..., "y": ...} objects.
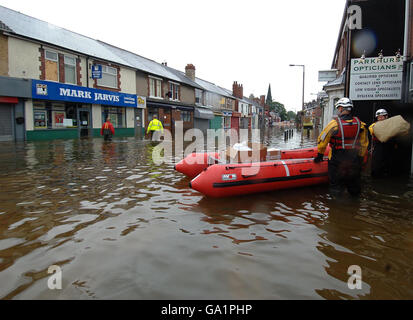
[
  {"x": 65, "y": 92},
  {"x": 97, "y": 71}
]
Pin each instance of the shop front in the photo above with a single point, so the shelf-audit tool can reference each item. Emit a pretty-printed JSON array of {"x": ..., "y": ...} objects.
[
  {"x": 62, "y": 111},
  {"x": 169, "y": 114},
  {"x": 13, "y": 93},
  {"x": 202, "y": 119}
]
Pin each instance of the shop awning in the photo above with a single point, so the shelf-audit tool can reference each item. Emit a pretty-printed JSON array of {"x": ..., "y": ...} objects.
[
  {"x": 203, "y": 113},
  {"x": 13, "y": 100},
  {"x": 167, "y": 105}
]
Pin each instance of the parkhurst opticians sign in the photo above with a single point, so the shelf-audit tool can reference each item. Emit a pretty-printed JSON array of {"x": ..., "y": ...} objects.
[
  {"x": 64, "y": 92},
  {"x": 376, "y": 79}
]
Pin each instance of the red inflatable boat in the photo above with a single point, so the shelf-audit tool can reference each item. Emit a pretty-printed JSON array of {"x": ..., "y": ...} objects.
[
  {"x": 226, "y": 180},
  {"x": 193, "y": 164}
]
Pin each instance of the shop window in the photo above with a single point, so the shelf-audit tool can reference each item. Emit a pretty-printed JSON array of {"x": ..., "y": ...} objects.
[
  {"x": 54, "y": 115},
  {"x": 186, "y": 116},
  {"x": 51, "y": 65},
  {"x": 70, "y": 69},
  {"x": 151, "y": 114},
  {"x": 116, "y": 115},
  {"x": 109, "y": 77}
]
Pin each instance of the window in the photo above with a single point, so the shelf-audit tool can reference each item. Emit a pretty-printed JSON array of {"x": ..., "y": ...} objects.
[
  {"x": 185, "y": 116},
  {"x": 54, "y": 115},
  {"x": 51, "y": 65},
  {"x": 70, "y": 70},
  {"x": 198, "y": 97},
  {"x": 116, "y": 115},
  {"x": 174, "y": 91},
  {"x": 109, "y": 77},
  {"x": 155, "y": 88}
]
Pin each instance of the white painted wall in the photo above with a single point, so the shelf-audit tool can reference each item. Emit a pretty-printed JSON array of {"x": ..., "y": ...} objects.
[
  {"x": 128, "y": 81},
  {"x": 130, "y": 117},
  {"x": 28, "y": 111},
  {"x": 329, "y": 109},
  {"x": 83, "y": 72},
  {"x": 97, "y": 116},
  {"x": 23, "y": 59}
]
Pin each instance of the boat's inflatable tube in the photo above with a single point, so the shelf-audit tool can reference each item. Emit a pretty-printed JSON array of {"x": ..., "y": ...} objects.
[
  {"x": 226, "y": 180},
  {"x": 193, "y": 164}
]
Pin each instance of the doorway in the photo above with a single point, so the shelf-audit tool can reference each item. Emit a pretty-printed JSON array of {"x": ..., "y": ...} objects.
[{"x": 84, "y": 122}]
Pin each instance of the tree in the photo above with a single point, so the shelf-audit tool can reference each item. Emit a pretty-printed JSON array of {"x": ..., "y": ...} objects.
[
  {"x": 291, "y": 115},
  {"x": 280, "y": 109}
]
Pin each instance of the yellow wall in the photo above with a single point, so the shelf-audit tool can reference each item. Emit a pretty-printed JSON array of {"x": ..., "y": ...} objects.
[
  {"x": 4, "y": 56},
  {"x": 23, "y": 59}
]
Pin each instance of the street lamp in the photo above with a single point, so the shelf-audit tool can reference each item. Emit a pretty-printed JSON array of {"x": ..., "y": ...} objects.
[{"x": 301, "y": 65}]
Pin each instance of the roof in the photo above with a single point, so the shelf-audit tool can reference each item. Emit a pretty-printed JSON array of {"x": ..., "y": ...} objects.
[
  {"x": 23, "y": 25},
  {"x": 209, "y": 86},
  {"x": 4, "y": 27},
  {"x": 149, "y": 66},
  {"x": 337, "y": 82},
  {"x": 20, "y": 24}
]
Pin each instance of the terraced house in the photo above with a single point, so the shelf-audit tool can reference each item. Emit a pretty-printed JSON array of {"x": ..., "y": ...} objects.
[{"x": 56, "y": 84}]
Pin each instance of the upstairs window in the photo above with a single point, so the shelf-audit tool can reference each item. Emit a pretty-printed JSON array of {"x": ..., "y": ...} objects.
[
  {"x": 173, "y": 91},
  {"x": 198, "y": 97},
  {"x": 109, "y": 77},
  {"x": 155, "y": 88},
  {"x": 51, "y": 65},
  {"x": 70, "y": 70}
]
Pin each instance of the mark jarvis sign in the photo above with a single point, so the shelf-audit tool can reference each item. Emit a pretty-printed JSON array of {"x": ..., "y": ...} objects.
[{"x": 64, "y": 92}]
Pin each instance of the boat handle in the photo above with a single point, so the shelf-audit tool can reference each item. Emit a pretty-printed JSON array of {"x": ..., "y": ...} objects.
[
  {"x": 304, "y": 171},
  {"x": 249, "y": 175}
]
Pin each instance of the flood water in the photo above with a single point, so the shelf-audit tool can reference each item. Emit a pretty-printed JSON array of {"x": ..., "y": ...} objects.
[{"x": 121, "y": 227}]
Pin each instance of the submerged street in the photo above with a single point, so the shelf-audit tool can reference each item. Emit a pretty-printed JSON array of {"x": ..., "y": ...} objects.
[{"x": 121, "y": 227}]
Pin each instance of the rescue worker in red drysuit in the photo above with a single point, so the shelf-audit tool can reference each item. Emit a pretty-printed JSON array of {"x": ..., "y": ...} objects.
[
  {"x": 107, "y": 130},
  {"x": 348, "y": 138}
]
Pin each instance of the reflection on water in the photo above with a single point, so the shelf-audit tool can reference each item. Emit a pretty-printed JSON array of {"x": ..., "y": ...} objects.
[{"x": 121, "y": 227}]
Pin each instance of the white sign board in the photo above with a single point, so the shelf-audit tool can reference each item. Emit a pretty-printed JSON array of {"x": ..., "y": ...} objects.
[
  {"x": 327, "y": 75},
  {"x": 372, "y": 79}
]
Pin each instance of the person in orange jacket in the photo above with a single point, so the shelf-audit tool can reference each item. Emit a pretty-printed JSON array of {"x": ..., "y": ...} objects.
[
  {"x": 107, "y": 130},
  {"x": 348, "y": 138}
]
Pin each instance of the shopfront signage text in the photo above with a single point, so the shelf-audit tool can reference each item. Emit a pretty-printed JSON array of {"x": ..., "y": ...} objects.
[
  {"x": 376, "y": 79},
  {"x": 63, "y": 92}
]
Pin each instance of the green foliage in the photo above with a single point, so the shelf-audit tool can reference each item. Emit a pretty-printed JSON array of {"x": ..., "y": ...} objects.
[
  {"x": 291, "y": 115},
  {"x": 279, "y": 108}
]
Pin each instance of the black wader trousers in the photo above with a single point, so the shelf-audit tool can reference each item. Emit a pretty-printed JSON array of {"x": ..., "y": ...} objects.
[{"x": 344, "y": 171}]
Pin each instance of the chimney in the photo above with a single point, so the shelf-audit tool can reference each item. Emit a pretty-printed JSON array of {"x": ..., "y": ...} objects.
[
  {"x": 262, "y": 101},
  {"x": 190, "y": 71},
  {"x": 237, "y": 90}
]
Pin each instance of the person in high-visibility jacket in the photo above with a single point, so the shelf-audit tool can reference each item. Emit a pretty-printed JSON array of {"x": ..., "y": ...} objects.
[
  {"x": 348, "y": 138},
  {"x": 154, "y": 126},
  {"x": 381, "y": 153},
  {"x": 107, "y": 130}
]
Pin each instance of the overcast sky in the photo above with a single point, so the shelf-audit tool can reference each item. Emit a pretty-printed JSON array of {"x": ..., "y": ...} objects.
[{"x": 248, "y": 41}]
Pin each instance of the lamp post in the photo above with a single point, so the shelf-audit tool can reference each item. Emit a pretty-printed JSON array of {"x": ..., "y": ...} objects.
[{"x": 301, "y": 65}]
